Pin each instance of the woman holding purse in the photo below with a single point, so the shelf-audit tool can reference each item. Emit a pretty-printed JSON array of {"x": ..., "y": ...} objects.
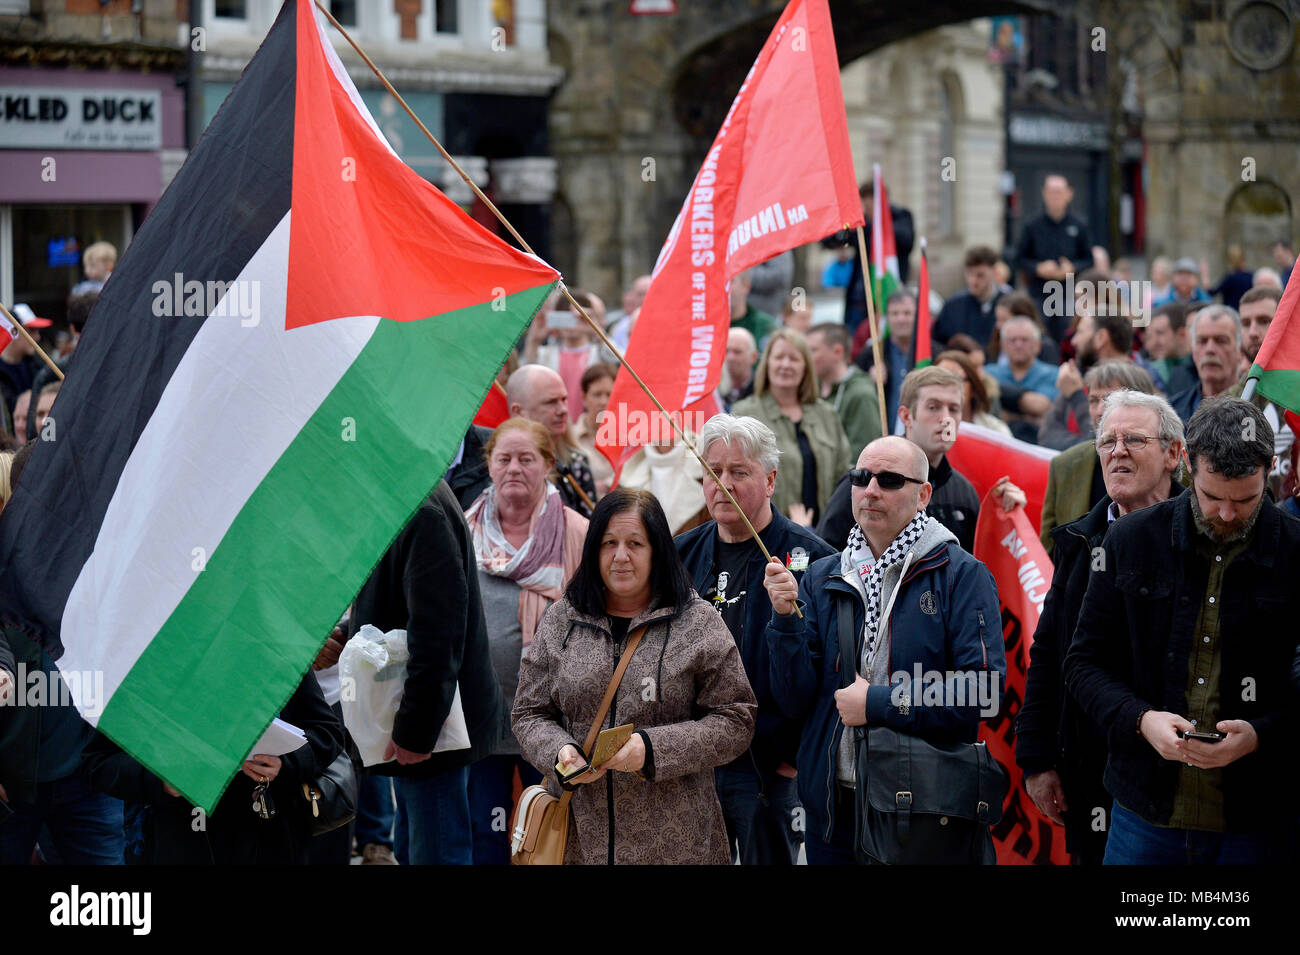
[{"x": 684, "y": 692}]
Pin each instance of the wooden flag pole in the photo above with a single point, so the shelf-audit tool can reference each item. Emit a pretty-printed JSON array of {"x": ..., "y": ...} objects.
[
  {"x": 875, "y": 332},
  {"x": 600, "y": 332},
  {"x": 31, "y": 341}
]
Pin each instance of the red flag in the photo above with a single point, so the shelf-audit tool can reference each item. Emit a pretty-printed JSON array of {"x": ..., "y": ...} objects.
[
  {"x": 1009, "y": 546},
  {"x": 778, "y": 175},
  {"x": 494, "y": 409},
  {"x": 921, "y": 336},
  {"x": 984, "y": 456}
]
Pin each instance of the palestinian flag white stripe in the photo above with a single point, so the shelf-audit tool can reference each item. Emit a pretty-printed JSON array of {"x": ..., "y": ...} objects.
[{"x": 153, "y": 541}]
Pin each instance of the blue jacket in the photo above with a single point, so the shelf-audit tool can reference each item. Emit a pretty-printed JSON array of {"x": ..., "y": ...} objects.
[
  {"x": 776, "y": 736},
  {"x": 945, "y": 617}
]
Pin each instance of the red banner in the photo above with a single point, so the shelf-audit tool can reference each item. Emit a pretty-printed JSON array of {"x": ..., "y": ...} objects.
[
  {"x": 1009, "y": 546},
  {"x": 778, "y": 175},
  {"x": 984, "y": 456}
]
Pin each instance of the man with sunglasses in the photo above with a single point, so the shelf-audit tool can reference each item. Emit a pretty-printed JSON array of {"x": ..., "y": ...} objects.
[
  {"x": 917, "y": 600},
  {"x": 1183, "y": 654},
  {"x": 930, "y": 406},
  {"x": 1139, "y": 444}
]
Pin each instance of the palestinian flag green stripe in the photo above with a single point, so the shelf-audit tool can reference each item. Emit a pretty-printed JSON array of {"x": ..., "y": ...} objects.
[
  {"x": 1280, "y": 386},
  {"x": 197, "y": 697}
]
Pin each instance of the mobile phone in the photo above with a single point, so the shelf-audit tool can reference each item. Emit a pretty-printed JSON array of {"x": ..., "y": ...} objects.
[
  {"x": 561, "y": 319},
  {"x": 1202, "y": 737}
]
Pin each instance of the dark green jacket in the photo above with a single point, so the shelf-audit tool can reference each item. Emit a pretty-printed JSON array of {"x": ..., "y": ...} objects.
[
  {"x": 1069, "y": 488},
  {"x": 855, "y": 401}
]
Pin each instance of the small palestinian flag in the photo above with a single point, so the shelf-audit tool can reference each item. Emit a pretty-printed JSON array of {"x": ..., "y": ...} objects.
[
  {"x": 279, "y": 372},
  {"x": 885, "y": 280},
  {"x": 1277, "y": 365}
]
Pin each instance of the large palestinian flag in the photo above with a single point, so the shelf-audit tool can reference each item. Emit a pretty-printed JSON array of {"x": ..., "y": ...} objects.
[{"x": 272, "y": 381}]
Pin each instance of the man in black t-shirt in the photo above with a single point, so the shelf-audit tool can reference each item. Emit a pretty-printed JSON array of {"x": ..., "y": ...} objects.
[{"x": 757, "y": 791}]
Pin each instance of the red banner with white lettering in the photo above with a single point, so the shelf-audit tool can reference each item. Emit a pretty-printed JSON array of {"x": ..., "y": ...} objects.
[
  {"x": 984, "y": 455},
  {"x": 1009, "y": 546},
  {"x": 778, "y": 175}
]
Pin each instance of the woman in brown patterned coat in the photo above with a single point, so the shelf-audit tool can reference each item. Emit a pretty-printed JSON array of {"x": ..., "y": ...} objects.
[{"x": 685, "y": 691}]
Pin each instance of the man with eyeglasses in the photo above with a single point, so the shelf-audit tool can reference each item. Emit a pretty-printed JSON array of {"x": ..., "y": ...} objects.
[
  {"x": 1183, "y": 654},
  {"x": 1060, "y": 750},
  {"x": 912, "y": 599}
]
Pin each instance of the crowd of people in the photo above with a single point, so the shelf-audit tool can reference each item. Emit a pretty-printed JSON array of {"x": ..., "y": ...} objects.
[{"x": 778, "y": 602}]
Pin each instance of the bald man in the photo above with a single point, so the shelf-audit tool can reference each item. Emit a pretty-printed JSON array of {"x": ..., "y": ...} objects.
[
  {"x": 741, "y": 358},
  {"x": 902, "y": 601},
  {"x": 539, "y": 394}
]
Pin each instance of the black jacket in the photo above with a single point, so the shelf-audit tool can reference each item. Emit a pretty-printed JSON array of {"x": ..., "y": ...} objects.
[
  {"x": 954, "y": 504},
  {"x": 776, "y": 736},
  {"x": 965, "y": 314},
  {"x": 1041, "y": 239},
  {"x": 1052, "y": 730},
  {"x": 427, "y": 584},
  {"x": 1130, "y": 652},
  {"x": 177, "y": 834},
  {"x": 470, "y": 478},
  {"x": 20, "y": 726}
]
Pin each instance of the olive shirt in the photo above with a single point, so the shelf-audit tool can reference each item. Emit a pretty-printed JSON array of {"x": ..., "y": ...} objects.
[
  {"x": 1198, "y": 799},
  {"x": 826, "y": 436}
]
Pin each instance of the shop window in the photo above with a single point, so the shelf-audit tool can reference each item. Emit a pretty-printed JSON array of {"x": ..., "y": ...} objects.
[
  {"x": 446, "y": 16},
  {"x": 344, "y": 11},
  {"x": 48, "y": 241}
]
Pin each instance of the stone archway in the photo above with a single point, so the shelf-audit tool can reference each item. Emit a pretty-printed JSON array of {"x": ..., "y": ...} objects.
[
  {"x": 643, "y": 97},
  {"x": 1256, "y": 216}
]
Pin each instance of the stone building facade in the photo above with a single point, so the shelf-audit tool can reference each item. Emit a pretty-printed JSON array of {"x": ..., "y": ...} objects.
[
  {"x": 929, "y": 110},
  {"x": 1221, "y": 121}
]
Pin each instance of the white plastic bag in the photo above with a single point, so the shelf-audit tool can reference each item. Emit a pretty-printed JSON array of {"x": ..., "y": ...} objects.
[{"x": 372, "y": 668}]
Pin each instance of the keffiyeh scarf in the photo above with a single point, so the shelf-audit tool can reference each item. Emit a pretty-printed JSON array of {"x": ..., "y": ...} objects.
[{"x": 871, "y": 571}]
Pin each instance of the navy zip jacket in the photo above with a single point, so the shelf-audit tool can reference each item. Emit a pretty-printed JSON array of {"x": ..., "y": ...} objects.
[
  {"x": 945, "y": 617},
  {"x": 776, "y": 736}
]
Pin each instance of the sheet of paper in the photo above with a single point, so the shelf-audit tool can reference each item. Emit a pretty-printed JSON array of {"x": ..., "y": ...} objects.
[{"x": 280, "y": 738}]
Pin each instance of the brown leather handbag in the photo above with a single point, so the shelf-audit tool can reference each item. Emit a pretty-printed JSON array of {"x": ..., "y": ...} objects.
[{"x": 540, "y": 827}]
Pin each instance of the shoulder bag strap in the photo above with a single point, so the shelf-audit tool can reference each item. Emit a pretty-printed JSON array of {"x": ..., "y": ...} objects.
[{"x": 614, "y": 681}]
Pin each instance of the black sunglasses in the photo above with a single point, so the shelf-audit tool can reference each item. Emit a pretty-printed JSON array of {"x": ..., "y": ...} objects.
[{"x": 888, "y": 480}]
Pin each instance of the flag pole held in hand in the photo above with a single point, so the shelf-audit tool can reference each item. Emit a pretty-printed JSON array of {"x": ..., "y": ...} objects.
[
  {"x": 31, "y": 341},
  {"x": 574, "y": 304}
]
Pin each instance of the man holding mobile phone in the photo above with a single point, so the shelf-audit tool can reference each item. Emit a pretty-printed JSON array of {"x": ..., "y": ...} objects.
[{"x": 1188, "y": 629}]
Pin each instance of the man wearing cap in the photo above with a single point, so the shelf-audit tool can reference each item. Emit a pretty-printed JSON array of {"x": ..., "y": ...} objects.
[
  {"x": 1186, "y": 287},
  {"x": 18, "y": 362}
]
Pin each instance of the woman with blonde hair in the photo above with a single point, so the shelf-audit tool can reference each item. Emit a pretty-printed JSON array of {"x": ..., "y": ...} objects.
[{"x": 814, "y": 449}]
